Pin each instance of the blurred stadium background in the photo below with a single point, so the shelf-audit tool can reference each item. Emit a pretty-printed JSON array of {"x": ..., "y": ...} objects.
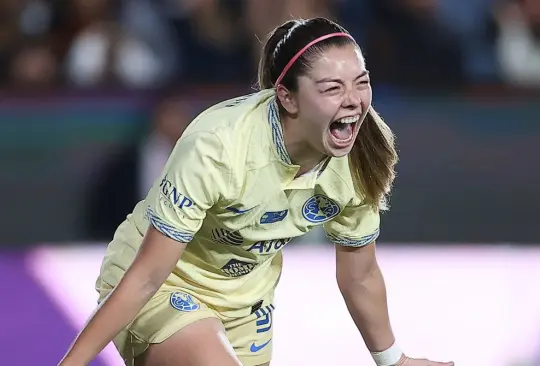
[{"x": 93, "y": 93}]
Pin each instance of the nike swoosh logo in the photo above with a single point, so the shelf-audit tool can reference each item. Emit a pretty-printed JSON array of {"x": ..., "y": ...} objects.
[
  {"x": 255, "y": 348},
  {"x": 239, "y": 211}
]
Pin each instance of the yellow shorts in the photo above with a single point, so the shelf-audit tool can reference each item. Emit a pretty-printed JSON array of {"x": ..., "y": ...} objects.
[{"x": 169, "y": 310}]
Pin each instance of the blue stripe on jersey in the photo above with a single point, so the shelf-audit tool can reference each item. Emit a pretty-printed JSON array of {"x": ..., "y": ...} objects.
[
  {"x": 349, "y": 242},
  {"x": 264, "y": 311},
  {"x": 167, "y": 229},
  {"x": 264, "y": 318},
  {"x": 277, "y": 133}
]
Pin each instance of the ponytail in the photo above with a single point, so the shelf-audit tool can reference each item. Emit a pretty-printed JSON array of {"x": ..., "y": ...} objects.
[{"x": 372, "y": 161}]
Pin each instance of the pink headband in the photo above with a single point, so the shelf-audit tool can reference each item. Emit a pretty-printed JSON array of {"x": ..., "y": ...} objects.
[{"x": 299, "y": 53}]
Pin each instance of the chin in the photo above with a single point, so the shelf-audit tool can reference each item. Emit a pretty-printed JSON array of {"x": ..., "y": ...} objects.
[{"x": 338, "y": 153}]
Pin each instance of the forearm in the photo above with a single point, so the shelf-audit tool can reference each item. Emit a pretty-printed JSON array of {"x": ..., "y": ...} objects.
[
  {"x": 367, "y": 304},
  {"x": 113, "y": 315}
]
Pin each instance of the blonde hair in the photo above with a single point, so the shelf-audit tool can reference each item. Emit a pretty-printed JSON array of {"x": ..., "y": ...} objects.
[{"x": 372, "y": 161}]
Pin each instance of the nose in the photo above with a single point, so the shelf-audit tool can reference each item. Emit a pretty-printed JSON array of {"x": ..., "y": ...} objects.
[{"x": 351, "y": 100}]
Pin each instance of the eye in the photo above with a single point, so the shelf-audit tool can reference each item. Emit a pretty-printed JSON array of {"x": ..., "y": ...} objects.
[
  {"x": 363, "y": 83},
  {"x": 331, "y": 89}
]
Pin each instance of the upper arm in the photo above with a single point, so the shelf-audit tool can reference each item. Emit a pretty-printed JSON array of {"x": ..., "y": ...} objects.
[
  {"x": 353, "y": 233},
  {"x": 156, "y": 258},
  {"x": 194, "y": 179}
]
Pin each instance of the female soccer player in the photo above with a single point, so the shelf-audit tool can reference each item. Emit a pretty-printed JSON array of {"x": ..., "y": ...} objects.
[{"x": 189, "y": 277}]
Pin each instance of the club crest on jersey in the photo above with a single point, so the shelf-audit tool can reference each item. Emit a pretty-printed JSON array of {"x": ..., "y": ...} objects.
[
  {"x": 319, "y": 208},
  {"x": 183, "y": 302}
]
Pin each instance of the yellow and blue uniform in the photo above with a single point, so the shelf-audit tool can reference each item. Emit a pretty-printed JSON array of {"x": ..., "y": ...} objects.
[{"x": 230, "y": 190}]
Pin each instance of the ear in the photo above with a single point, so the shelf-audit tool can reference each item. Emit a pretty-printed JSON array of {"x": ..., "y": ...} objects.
[{"x": 287, "y": 99}]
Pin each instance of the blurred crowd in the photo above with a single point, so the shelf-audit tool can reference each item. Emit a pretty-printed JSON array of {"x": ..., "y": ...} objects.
[
  {"x": 164, "y": 44},
  {"x": 148, "y": 43}
]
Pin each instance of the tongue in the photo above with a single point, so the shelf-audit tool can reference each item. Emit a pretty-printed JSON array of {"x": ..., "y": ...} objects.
[{"x": 341, "y": 131}]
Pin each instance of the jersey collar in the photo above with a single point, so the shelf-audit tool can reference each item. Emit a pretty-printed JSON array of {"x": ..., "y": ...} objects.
[
  {"x": 307, "y": 180},
  {"x": 277, "y": 132}
]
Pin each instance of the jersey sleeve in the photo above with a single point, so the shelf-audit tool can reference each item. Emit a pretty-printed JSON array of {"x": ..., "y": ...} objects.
[
  {"x": 195, "y": 177},
  {"x": 355, "y": 226}
]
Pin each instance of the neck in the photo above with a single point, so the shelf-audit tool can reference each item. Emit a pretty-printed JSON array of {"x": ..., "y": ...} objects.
[{"x": 299, "y": 150}]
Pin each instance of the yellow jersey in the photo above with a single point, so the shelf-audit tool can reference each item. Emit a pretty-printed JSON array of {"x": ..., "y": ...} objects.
[{"x": 230, "y": 190}]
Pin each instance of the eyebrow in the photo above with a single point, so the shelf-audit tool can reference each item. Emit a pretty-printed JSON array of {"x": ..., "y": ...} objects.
[{"x": 328, "y": 80}]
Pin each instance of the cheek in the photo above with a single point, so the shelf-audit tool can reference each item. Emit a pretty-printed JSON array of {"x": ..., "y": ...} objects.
[
  {"x": 367, "y": 97},
  {"x": 319, "y": 110}
]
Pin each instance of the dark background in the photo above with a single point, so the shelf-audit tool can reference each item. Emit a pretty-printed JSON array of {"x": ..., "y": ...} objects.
[
  {"x": 469, "y": 168},
  {"x": 454, "y": 79}
]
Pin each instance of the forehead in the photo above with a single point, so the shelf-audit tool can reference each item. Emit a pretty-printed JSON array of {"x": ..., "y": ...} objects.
[{"x": 344, "y": 62}]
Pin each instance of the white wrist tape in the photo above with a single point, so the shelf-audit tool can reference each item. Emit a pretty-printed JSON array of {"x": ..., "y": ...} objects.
[{"x": 389, "y": 357}]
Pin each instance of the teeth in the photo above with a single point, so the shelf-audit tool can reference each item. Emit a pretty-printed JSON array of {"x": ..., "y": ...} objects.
[{"x": 349, "y": 119}]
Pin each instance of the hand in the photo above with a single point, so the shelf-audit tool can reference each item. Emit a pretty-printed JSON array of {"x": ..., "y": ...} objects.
[{"x": 406, "y": 361}]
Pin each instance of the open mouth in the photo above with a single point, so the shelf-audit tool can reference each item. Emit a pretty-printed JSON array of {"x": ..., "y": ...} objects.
[{"x": 342, "y": 130}]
